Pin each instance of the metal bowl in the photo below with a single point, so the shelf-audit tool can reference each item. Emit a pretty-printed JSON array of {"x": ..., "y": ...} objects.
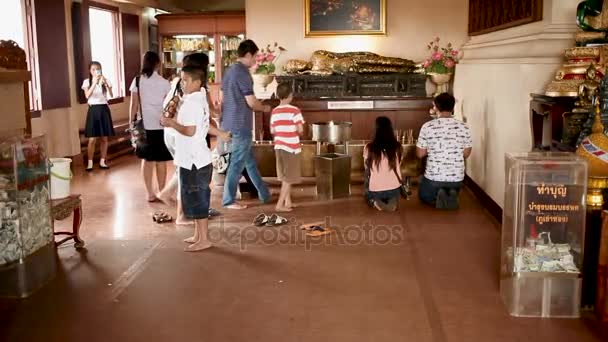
[{"x": 333, "y": 132}]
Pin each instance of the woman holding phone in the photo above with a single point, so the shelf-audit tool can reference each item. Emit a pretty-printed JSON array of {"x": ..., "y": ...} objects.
[{"x": 97, "y": 90}]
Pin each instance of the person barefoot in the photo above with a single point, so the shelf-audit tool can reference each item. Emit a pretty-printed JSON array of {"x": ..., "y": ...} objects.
[
  {"x": 198, "y": 246},
  {"x": 286, "y": 125},
  {"x": 192, "y": 155}
]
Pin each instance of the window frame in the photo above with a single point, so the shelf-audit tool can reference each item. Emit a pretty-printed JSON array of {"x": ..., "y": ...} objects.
[
  {"x": 118, "y": 82},
  {"x": 31, "y": 54}
]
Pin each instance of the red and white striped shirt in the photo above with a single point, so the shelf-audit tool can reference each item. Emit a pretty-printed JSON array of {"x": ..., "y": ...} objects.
[{"x": 284, "y": 122}]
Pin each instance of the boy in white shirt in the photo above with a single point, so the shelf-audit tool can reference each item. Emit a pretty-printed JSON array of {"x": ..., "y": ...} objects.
[{"x": 192, "y": 155}]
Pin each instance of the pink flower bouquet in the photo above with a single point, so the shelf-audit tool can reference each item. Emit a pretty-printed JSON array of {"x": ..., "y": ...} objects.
[
  {"x": 442, "y": 60},
  {"x": 266, "y": 59}
]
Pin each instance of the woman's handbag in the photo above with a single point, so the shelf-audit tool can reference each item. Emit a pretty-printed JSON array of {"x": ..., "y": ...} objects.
[
  {"x": 137, "y": 130},
  {"x": 404, "y": 188}
]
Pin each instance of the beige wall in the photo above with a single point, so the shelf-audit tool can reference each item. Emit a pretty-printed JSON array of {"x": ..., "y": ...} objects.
[
  {"x": 61, "y": 126},
  {"x": 411, "y": 25},
  {"x": 493, "y": 83}
]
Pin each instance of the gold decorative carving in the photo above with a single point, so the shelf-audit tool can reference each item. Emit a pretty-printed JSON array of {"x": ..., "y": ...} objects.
[
  {"x": 582, "y": 36},
  {"x": 12, "y": 56},
  {"x": 563, "y": 88},
  {"x": 582, "y": 53}
]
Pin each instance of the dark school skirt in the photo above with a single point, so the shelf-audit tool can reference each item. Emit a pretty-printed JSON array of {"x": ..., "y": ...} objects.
[
  {"x": 155, "y": 149},
  {"x": 99, "y": 122}
]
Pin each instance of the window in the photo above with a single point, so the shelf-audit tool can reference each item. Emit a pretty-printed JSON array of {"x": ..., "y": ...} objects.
[
  {"x": 20, "y": 28},
  {"x": 105, "y": 45},
  {"x": 11, "y": 25}
]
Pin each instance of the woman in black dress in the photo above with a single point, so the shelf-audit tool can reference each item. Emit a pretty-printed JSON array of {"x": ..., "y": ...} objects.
[
  {"x": 97, "y": 90},
  {"x": 148, "y": 90}
]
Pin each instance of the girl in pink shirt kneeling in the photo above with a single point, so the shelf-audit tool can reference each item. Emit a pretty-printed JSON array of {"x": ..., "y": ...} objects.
[{"x": 382, "y": 167}]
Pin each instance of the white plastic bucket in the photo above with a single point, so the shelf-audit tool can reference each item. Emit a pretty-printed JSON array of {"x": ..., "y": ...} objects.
[{"x": 61, "y": 176}]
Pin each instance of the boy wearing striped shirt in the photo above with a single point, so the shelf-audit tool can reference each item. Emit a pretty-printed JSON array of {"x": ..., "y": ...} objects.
[{"x": 286, "y": 125}]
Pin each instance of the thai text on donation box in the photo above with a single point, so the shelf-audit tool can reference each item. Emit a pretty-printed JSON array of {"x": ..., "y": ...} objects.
[{"x": 542, "y": 234}]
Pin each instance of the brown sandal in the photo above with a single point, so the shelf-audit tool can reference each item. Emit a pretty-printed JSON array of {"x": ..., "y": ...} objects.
[{"x": 162, "y": 217}]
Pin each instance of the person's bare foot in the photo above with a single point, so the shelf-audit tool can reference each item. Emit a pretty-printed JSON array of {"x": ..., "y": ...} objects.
[
  {"x": 283, "y": 209},
  {"x": 236, "y": 206},
  {"x": 152, "y": 198},
  {"x": 183, "y": 221},
  {"x": 198, "y": 246},
  {"x": 291, "y": 205},
  {"x": 166, "y": 199},
  {"x": 191, "y": 239}
]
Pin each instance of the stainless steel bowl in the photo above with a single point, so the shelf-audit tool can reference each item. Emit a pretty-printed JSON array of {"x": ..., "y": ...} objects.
[{"x": 333, "y": 132}]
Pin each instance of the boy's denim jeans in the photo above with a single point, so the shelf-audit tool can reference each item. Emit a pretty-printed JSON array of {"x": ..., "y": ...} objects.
[
  {"x": 241, "y": 158},
  {"x": 428, "y": 189}
]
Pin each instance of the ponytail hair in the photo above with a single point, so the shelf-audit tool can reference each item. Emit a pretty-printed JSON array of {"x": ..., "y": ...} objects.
[{"x": 151, "y": 61}]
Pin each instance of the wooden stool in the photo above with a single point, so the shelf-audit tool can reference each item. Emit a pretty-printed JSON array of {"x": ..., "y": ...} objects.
[{"x": 62, "y": 209}]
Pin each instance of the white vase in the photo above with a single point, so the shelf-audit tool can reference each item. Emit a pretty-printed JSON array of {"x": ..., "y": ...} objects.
[
  {"x": 262, "y": 80},
  {"x": 441, "y": 81}
]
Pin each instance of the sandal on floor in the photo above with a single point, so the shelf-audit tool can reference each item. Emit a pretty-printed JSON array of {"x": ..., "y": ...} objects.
[
  {"x": 260, "y": 220},
  {"x": 276, "y": 220},
  {"x": 318, "y": 231},
  {"x": 309, "y": 226},
  {"x": 162, "y": 217},
  {"x": 214, "y": 213}
]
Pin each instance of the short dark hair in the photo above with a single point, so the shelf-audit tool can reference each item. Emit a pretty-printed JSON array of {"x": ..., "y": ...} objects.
[
  {"x": 444, "y": 102},
  {"x": 283, "y": 91},
  {"x": 195, "y": 73},
  {"x": 198, "y": 60},
  {"x": 247, "y": 46}
]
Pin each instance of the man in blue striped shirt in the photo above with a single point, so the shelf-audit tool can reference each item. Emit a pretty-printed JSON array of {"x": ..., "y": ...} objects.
[{"x": 238, "y": 104}]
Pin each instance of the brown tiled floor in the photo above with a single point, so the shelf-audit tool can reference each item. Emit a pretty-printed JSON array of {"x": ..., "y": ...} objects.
[{"x": 416, "y": 275}]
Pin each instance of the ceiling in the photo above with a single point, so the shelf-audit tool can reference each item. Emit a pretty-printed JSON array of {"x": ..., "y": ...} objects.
[{"x": 191, "y": 5}]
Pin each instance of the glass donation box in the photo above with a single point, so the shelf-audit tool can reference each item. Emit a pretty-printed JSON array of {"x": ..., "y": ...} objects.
[
  {"x": 27, "y": 248},
  {"x": 543, "y": 228}
]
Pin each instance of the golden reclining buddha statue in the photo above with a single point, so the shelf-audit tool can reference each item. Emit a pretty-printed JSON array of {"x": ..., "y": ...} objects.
[{"x": 327, "y": 63}]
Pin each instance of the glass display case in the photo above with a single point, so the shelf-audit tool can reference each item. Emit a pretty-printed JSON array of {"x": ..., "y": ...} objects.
[
  {"x": 175, "y": 48},
  {"x": 230, "y": 45},
  {"x": 543, "y": 230},
  {"x": 217, "y": 34},
  {"x": 26, "y": 227}
]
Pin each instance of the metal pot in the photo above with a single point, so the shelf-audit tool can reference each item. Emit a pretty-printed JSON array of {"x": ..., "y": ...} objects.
[{"x": 331, "y": 132}]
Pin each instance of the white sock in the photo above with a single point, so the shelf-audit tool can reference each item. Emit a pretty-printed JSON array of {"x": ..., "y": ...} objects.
[
  {"x": 90, "y": 164},
  {"x": 102, "y": 162}
]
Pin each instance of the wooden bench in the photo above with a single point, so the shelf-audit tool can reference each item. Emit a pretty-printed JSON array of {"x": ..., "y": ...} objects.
[{"x": 118, "y": 145}]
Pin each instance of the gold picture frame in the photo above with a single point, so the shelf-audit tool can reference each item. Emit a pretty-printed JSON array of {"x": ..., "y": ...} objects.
[{"x": 337, "y": 18}]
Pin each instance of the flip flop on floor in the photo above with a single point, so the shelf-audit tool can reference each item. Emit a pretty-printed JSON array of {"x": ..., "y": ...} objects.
[
  {"x": 318, "y": 231},
  {"x": 275, "y": 220},
  {"x": 260, "y": 220},
  {"x": 162, "y": 217},
  {"x": 308, "y": 226}
]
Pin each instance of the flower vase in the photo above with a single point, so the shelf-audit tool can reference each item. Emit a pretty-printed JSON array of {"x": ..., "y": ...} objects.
[
  {"x": 441, "y": 81},
  {"x": 262, "y": 80}
]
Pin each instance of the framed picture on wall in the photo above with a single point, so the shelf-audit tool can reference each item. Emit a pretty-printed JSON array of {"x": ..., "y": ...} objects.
[{"x": 344, "y": 17}]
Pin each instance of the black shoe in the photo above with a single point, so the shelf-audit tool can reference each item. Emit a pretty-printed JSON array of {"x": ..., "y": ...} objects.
[
  {"x": 442, "y": 199},
  {"x": 104, "y": 167},
  {"x": 452, "y": 201}
]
